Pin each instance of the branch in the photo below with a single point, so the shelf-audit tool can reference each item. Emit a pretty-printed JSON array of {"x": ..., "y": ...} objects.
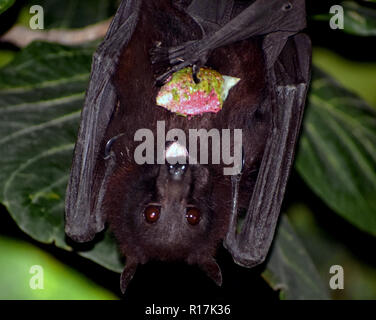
[{"x": 21, "y": 36}]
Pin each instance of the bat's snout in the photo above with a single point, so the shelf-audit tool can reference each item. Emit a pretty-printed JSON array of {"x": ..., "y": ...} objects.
[{"x": 176, "y": 171}]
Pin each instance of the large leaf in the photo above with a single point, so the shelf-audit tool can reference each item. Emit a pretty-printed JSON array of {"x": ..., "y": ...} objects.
[
  {"x": 358, "y": 20},
  {"x": 41, "y": 95},
  {"x": 5, "y": 4},
  {"x": 5, "y": 57},
  {"x": 72, "y": 13},
  {"x": 290, "y": 269},
  {"x": 337, "y": 153},
  {"x": 358, "y": 76},
  {"x": 328, "y": 247},
  {"x": 59, "y": 281}
]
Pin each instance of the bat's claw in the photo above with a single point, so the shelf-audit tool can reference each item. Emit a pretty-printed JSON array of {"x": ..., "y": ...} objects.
[
  {"x": 163, "y": 78},
  {"x": 177, "y": 58},
  {"x": 195, "y": 71},
  {"x": 172, "y": 55},
  {"x": 159, "y": 54}
]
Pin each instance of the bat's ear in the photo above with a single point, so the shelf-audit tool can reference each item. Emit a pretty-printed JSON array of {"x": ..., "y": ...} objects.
[
  {"x": 213, "y": 270},
  {"x": 127, "y": 275}
]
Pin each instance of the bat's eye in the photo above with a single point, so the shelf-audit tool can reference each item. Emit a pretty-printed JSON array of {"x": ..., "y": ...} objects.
[
  {"x": 152, "y": 213},
  {"x": 193, "y": 215},
  {"x": 287, "y": 6}
]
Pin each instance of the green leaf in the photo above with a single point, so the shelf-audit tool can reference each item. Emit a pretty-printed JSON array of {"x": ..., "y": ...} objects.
[
  {"x": 41, "y": 96},
  {"x": 327, "y": 247},
  {"x": 358, "y": 76},
  {"x": 290, "y": 269},
  {"x": 358, "y": 20},
  {"x": 72, "y": 13},
  {"x": 5, "y": 57},
  {"x": 337, "y": 152},
  {"x": 17, "y": 260},
  {"x": 5, "y": 5}
]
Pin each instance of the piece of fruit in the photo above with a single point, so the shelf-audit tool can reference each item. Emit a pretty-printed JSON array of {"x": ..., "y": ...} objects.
[{"x": 183, "y": 96}]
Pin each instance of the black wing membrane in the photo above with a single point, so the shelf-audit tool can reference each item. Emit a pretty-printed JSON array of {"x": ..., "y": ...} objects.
[
  {"x": 288, "y": 80},
  {"x": 82, "y": 221},
  {"x": 260, "y": 18}
]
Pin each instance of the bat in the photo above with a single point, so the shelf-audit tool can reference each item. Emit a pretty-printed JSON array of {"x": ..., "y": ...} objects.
[{"x": 184, "y": 211}]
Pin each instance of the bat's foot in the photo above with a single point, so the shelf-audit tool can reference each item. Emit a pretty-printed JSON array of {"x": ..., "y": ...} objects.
[
  {"x": 163, "y": 78},
  {"x": 159, "y": 57},
  {"x": 159, "y": 54},
  {"x": 176, "y": 58},
  {"x": 173, "y": 55}
]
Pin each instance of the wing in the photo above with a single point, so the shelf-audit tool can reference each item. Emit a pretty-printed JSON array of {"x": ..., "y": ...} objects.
[
  {"x": 210, "y": 15},
  {"x": 82, "y": 217},
  {"x": 258, "y": 19},
  {"x": 288, "y": 80}
]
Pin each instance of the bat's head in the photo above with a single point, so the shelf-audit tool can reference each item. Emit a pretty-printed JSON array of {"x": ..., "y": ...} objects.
[{"x": 172, "y": 211}]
